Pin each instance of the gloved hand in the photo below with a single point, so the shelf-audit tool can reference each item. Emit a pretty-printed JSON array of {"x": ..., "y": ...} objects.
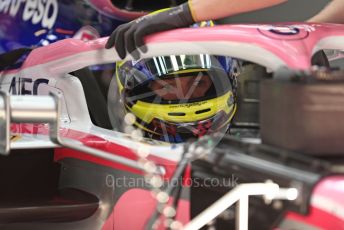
[{"x": 128, "y": 37}]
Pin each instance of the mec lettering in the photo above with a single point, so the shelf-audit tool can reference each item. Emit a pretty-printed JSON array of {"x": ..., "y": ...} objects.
[{"x": 26, "y": 86}]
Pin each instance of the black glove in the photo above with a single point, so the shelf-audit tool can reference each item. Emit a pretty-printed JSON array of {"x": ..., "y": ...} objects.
[{"x": 128, "y": 37}]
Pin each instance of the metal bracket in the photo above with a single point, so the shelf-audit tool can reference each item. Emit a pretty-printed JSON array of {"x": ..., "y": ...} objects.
[
  {"x": 241, "y": 194},
  {"x": 47, "y": 109},
  {"x": 4, "y": 124}
]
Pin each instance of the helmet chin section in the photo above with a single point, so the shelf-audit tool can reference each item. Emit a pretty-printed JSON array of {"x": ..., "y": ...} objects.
[{"x": 174, "y": 132}]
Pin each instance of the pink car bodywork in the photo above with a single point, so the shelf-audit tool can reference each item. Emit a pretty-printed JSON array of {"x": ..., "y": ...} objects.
[{"x": 272, "y": 46}]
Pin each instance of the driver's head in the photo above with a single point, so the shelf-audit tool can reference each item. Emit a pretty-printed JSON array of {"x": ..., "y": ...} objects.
[
  {"x": 178, "y": 97},
  {"x": 190, "y": 86}
]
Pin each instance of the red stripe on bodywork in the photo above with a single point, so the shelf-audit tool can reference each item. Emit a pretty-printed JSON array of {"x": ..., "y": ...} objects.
[{"x": 318, "y": 218}]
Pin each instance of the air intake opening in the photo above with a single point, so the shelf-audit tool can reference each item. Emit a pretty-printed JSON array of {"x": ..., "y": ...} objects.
[
  {"x": 176, "y": 114},
  {"x": 202, "y": 111}
]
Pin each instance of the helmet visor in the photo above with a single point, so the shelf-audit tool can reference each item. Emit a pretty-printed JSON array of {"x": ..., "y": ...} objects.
[{"x": 175, "y": 77}]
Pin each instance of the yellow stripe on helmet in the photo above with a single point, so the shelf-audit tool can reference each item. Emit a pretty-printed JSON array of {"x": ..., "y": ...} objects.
[{"x": 148, "y": 111}]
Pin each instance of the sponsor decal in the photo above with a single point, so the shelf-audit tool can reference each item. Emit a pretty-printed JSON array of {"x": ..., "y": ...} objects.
[
  {"x": 188, "y": 105},
  {"x": 35, "y": 11},
  {"x": 284, "y": 30},
  {"x": 26, "y": 86}
]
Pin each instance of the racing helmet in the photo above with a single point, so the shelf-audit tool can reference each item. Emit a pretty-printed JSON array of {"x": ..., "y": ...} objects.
[{"x": 177, "y": 97}]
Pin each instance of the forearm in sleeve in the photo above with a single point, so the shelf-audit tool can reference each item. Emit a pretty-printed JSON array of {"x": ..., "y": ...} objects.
[
  {"x": 215, "y": 9},
  {"x": 332, "y": 13}
]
